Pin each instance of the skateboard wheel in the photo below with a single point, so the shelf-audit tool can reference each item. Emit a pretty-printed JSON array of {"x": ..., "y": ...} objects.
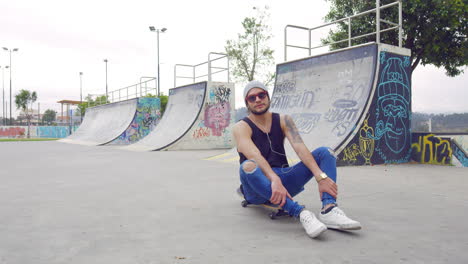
[
  {"x": 244, "y": 203},
  {"x": 272, "y": 216}
]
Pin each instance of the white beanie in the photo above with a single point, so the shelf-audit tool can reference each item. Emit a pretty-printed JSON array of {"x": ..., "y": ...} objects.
[{"x": 254, "y": 84}]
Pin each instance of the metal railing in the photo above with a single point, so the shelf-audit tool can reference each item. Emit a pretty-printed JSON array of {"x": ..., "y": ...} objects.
[
  {"x": 377, "y": 10},
  {"x": 143, "y": 88},
  {"x": 211, "y": 69}
]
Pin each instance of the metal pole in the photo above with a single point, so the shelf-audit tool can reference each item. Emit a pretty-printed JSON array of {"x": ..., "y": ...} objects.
[
  {"x": 11, "y": 104},
  {"x": 105, "y": 60},
  {"x": 38, "y": 113},
  {"x": 153, "y": 29},
  {"x": 175, "y": 75},
  {"x": 3, "y": 101},
  {"x": 81, "y": 96},
  {"x": 377, "y": 20},
  {"x": 11, "y": 120},
  {"x": 400, "y": 24},
  {"x": 194, "y": 77},
  {"x": 349, "y": 32},
  {"x": 285, "y": 43},
  {"x": 209, "y": 68},
  {"x": 157, "y": 32},
  {"x": 81, "y": 87},
  {"x": 228, "y": 68}
]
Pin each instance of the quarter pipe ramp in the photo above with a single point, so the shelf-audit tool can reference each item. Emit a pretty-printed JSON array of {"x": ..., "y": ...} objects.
[
  {"x": 120, "y": 123},
  {"x": 355, "y": 101},
  {"x": 197, "y": 116}
]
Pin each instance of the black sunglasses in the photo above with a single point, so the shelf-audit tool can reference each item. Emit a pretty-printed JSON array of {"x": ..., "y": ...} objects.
[{"x": 253, "y": 97}]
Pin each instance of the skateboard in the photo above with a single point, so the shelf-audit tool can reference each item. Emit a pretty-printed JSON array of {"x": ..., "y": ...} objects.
[{"x": 276, "y": 210}]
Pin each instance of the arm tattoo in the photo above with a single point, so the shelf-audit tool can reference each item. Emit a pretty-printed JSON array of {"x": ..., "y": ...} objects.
[{"x": 296, "y": 138}]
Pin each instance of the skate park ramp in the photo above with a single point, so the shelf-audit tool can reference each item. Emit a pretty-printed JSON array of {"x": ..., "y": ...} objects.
[
  {"x": 355, "y": 101},
  {"x": 198, "y": 116},
  {"x": 107, "y": 123},
  {"x": 147, "y": 116},
  {"x": 325, "y": 95}
]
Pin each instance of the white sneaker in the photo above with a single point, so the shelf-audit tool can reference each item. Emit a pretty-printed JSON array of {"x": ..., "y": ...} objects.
[
  {"x": 336, "y": 219},
  {"x": 311, "y": 224}
]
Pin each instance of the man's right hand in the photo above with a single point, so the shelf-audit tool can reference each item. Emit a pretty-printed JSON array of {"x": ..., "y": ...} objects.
[
  {"x": 329, "y": 186},
  {"x": 278, "y": 192}
]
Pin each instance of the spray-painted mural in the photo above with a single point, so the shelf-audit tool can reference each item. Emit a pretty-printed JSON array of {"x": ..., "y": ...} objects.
[
  {"x": 35, "y": 131},
  {"x": 326, "y": 95},
  {"x": 384, "y": 136},
  {"x": 12, "y": 132},
  {"x": 212, "y": 128},
  {"x": 146, "y": 118},
  {"x": 434, "y": 149},
  {"x": 460, "y": 154},
  {"x": 431, "y": 149},
  {"x": 53, "y": 131},
  {"x": 217, "y": 115}
]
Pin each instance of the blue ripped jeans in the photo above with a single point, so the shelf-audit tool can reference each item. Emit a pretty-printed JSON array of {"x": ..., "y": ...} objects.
[{"x": 257, "y": 187}]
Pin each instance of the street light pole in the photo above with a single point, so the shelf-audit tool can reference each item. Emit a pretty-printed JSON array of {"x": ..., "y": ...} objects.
[
  {"x": 15, "y": 49},
  {"x": 3, "y": 89},
  {"x": 105, "y": 60},
  {"x": 81, "y": 96},
  {"x": 153, "y": 29}
]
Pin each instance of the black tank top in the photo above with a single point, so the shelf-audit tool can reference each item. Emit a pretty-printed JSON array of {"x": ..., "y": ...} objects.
[{"x": 274, "y": 153}]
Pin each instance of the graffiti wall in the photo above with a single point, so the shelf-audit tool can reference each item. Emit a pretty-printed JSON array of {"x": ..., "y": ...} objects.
[
  {"x": 442, "y": 149},
  {"x": 35, "y": 132},
  {"x": 325, "y": 95},
  {"x": 385, "y": 136},
  {"x": 460, "y": 154},
  {"x": 53, "y": 131},
  {"x": 462, "y": 141},
  {"x": 431, "y": 149},
  {"x": 13, "y": 131},
  {"x": 212, "y": 130},
  {"x": 147, "y": 116}
]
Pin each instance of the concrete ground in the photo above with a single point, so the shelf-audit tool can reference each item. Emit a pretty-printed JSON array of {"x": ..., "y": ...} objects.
[{"x": 63, "y": 203}]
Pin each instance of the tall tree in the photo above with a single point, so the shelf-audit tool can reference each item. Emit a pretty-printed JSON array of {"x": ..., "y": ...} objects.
[
  {"x": 251, "y": 57},
  {"x": 90, "y": 102},
  {"x": 434, "y": 30},
  {"x": 49, "y": 116},
  {"x": 24, "y": 100}
]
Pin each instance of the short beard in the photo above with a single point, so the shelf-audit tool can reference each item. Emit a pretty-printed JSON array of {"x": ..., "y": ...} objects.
[{"x": 253, "y": 111}]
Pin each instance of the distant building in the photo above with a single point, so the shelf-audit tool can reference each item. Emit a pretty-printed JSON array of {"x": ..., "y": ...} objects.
[{"x": 36, "y": 117}]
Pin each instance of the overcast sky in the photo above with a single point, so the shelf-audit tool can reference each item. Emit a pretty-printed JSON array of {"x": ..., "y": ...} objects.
[{"x": 57, "y": 39}]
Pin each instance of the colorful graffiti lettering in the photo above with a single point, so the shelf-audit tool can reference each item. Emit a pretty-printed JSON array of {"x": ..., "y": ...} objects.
[
  {"x": 430, "y": 149},
  {"x": 52, "y": 131},
  {"x": 37, "y": 131},
  {"x": 201, "y": 132},
  {"x": 146, "y": 118},
  {"x": 217, "y": 117},
  {"x": 365, "y": 148},
  {"x": 350, "y": 154},
  {"x": 12, "y": 132}
]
